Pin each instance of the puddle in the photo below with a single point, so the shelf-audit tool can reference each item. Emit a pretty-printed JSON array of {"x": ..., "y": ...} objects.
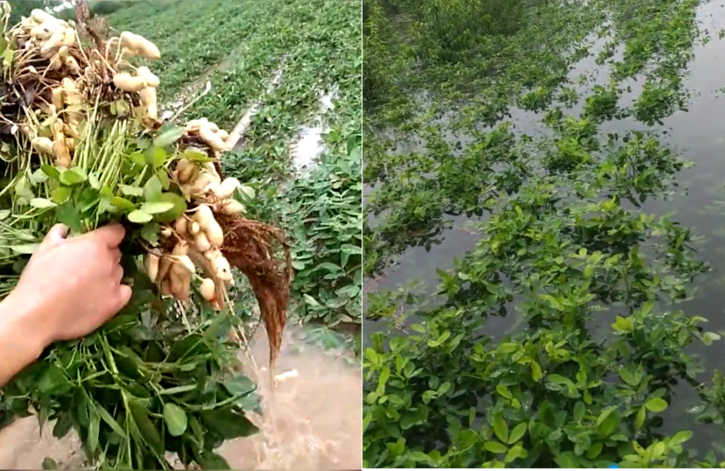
[
  {"x": 312, "y": 421},
  {"x": 309, "y": 145}
]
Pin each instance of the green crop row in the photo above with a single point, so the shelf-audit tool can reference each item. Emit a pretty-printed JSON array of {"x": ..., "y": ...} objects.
[{"x": 240, "y": 46}]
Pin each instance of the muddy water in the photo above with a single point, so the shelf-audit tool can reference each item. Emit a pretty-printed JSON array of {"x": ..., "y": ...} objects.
[{"x": 312, "y": 421}]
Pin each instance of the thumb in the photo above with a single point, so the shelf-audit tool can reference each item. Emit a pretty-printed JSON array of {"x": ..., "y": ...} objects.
[{"x": 56, "y": 234}]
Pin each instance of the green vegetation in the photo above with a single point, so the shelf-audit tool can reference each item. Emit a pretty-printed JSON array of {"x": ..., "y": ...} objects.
[
  {"x": 160, "y": 376},
  {"x": 598, "y": 346},
  {"x": 316, "y": 44},
  {"x": 324, "y": 210},
  {"x": 239, "y": 47},
  {"x": 22, "y": 8}
]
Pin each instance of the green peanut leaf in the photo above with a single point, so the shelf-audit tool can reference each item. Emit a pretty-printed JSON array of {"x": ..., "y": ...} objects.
[
  {"x": 156, "y": 207},
  {"x": 500, "y": 428},
  {"x": 536, "y": 373},
  {"x": 152, "y": 189},
  {"x": 517, "y": 433},
  {"x": 680, "y": 437},
  {"x": 73, "y": 176},
  {"x": 495, "y": 447},
  {"x": 42, "y": 203},
  {"x": 139, "y": 217},
  {"x": 175, "y": 419},
  {"x": 656, "y": 404},
  {"x": 145, "y": 426},
  {"x": 504, "y": 391}
]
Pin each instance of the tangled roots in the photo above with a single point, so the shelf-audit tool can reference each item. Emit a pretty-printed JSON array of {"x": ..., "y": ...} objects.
[{"x": 251, "y": 247}]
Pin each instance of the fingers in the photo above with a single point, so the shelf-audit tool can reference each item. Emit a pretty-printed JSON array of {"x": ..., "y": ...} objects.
[
  {"x": 123, "y": 296},
  {"x": 116, "y": 256},
  {"x": 120, "y": 296},
  {"x": 117, "y": 274},
  {"x": 56, "y": 234},
  {"x": 112, "y": 235}
]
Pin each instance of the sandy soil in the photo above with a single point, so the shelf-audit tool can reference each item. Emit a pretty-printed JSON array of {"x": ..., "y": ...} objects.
[{"x": 313, "y": 421}]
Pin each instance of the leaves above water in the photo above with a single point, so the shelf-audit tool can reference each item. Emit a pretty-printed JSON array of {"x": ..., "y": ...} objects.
[
  {"x": 656, "y": 404},
  {"x": 563, "y": 249}
]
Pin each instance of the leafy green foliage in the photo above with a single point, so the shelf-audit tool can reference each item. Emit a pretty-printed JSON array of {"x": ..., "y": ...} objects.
[
  {"x": 133, "y": 394},
  {"x": 566, "y": 265},
  {"x": 22, "y": 8},
  {"x": 316, "y": 45},
  {"x": 325, "y": 208},
  {"x": 81, "y": 198},
  {"x": 378, "y": 36},
  {"x": 152, "y": 380},
  {"x": 317, "y": 49},
  {"x": 147, "y": 382},
  {"x": 590, "y": 283},
  {"x": 449, "y": 30}
]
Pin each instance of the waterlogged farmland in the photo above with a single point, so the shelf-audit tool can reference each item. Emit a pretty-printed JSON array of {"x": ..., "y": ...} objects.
[
  {"x": 241, "y": 46},
  {"x": 552, "y": 173}
]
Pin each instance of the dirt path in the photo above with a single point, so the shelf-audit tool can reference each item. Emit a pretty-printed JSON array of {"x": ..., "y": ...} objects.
[{"x": 312, "y": 421}]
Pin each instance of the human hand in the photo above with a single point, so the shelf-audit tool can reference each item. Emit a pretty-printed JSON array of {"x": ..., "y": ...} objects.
[{"x": 70, "y": 287}]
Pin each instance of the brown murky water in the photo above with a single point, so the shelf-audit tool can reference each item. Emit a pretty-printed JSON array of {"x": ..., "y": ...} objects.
[{"x": 311, "y": 421}]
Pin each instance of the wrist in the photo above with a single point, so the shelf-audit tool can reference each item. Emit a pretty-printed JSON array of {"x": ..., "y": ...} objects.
[{"x": 21, "y": 325}]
